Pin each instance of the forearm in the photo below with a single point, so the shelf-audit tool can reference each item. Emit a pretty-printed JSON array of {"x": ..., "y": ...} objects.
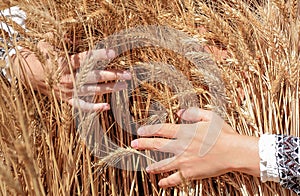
[{"x": 270, "y": 157}]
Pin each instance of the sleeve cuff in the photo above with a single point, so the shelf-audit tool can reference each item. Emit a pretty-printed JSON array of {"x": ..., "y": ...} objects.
[{"x": 267, "y": 153}]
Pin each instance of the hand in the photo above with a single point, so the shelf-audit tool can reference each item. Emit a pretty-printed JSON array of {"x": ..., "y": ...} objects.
[
  {"x": 207, "y": 148},
  {"x": 35, "y": 72}
]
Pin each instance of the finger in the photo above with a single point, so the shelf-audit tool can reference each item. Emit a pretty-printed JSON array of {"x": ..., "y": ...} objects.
[
  {"x": 159, "y": 144},
  {"x": 101, "y": 54},
  {"x": 99, "y": 89},
  {"x": 164, "y": 130},
  {"x": 195, "y": 114},
  {"x": 88, "y": 107},
  {"x": 67, "y": 80},
  {"x": 171, "y": 181},
  {"x": 162, "y": 166},
  {"x": 96, "y": 76}
]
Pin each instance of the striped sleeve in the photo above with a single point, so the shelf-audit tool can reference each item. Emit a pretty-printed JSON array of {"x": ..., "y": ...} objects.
[
  {"x": 287, "y": 155},
  {"x": 280, "y": 160}
]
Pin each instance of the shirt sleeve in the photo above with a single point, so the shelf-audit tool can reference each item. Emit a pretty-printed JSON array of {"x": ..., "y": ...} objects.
[
  {"x": 18, "y": 16},
  {"x": 267, "y": 153},
  {"x": 279, "y": 160},
  {"x": 287, "y": 158}
]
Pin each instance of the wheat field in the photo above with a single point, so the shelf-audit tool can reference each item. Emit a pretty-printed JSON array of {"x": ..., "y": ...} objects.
[{"x": 48, "y": 148}]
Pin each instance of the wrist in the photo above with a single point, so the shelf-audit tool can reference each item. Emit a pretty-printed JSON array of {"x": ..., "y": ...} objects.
[{"x": 245, "y": 154}]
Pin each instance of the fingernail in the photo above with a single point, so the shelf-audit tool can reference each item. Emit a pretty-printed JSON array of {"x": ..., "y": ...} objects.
[
  {"x": 180, "y": 112},
  {"x": 106, "y": 107},
  {"x": 159, "y": 183},
  {"x": 126, "y": 75},
  {"x": 140, "y": 131},
  {"x": 148, "y": 169},
  {"x": 111, "y": 54},
  {"x": 101, "y": 107},
  {"x": 134, "y": 144}
]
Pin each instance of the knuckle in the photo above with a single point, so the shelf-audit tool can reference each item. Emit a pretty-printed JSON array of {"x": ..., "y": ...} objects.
[
  {"x": 155, "y": 167},
  {"x": 181, "y": 161},
  {"x": 154, "y": 129},
  {"x": 107, "y": 88},
  {"x": 209, "y": 115},
  {"x": 66, "y": 79},
  {"x": 171, "y": 126},
  {"x": 170, "y": 182},
  {"x": 188, "y": 174},
  {"x": 157, "y": 144},
  {"x": 182, "y": 147},
  {"x": 142, "y": 143}
]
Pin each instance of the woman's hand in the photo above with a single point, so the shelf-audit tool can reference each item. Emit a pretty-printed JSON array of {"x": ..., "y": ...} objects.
[
  {"x": 207, "y": 148},
  {"x": 34, "y": 72}
]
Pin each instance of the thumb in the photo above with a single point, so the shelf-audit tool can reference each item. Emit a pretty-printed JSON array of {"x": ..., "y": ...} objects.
[{"x": 195, "y": 114}]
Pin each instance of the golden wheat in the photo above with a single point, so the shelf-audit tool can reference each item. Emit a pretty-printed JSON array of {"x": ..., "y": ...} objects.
[{"x": 45, "y": 151}]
